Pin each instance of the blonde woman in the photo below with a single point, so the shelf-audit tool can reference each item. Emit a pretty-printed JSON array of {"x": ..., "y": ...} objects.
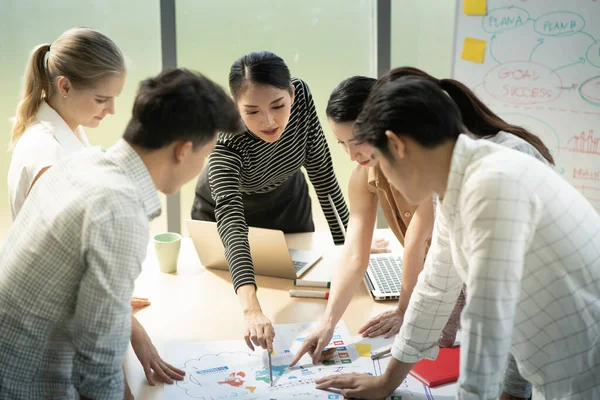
[{"x": 69, "y": 85}]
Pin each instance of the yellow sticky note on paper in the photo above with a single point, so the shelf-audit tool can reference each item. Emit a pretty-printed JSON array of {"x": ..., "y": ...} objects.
[
  {"x": 364, "y": 350},
  {"x": 475, "y": 7},
  {"x": 473, "y": 50}
]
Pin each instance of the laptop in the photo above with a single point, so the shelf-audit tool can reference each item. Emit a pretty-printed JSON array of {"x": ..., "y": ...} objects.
[
  {"x": 268, "y": 249},
  {"x": 384, "y": 276}
]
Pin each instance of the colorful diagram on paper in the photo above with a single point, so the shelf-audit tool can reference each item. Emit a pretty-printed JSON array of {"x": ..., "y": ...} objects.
[{"x": 224, "y": 370}]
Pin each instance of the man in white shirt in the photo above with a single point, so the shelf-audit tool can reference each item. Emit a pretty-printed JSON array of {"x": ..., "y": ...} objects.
[
  {"x": 524, "y": 241},
  {"x": 71, "y": 257}
]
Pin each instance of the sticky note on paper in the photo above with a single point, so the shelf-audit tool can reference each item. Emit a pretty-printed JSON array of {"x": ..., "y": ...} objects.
[
  {"x": 473, "y": 50},
  {"x": 364, "y": 350},
  {"x": 475, "y": 7}
]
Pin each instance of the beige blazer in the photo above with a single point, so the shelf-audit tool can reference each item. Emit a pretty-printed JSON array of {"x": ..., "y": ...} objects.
[{"x": 397, "y": 210}]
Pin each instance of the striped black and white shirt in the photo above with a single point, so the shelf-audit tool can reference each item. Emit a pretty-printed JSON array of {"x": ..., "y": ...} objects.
[{"x": 246, "y": 164}]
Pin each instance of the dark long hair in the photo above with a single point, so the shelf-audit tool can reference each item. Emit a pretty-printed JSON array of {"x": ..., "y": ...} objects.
[
  {"x": 260, "y": 67},
  {"x": 348, "y": 98},
  {"x": 476, "y": 116},
  {"x": 414, "y": 106}
]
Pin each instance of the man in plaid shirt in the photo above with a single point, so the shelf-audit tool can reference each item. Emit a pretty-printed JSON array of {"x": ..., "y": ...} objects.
[{"x": 68, "y": 265}]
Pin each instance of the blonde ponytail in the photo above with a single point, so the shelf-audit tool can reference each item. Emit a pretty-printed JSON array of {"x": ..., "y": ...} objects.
[
  {"x": 82, "y": 55},
  {"x": 37, "y": 87}
]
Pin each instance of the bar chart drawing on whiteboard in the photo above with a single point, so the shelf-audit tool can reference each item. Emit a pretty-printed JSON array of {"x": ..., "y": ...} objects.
[{"x": 585, "y": 142}]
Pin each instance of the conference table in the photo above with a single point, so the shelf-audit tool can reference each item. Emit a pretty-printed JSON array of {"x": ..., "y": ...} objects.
[{"x": 199, "y": 304}]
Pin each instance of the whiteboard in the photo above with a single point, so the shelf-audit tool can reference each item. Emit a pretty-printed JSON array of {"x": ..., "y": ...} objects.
[{"x": 541, "y": 70}]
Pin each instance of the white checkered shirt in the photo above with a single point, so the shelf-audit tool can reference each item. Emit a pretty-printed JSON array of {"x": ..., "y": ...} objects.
[
  {"x": 527, "y": 246},
  {"x": 67, "y": 270}
]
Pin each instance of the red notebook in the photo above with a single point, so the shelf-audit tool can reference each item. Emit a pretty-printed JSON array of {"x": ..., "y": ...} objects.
[{"x": 444, "y": 369}]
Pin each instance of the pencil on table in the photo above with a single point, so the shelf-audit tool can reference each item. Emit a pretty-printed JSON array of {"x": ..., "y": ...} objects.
[{"x": 381, "y": 354}]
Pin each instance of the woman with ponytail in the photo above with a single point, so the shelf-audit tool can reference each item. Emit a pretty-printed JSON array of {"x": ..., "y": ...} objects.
[
  {"x": 411, "y": 224},
  {"x": 480, "y": 121},
  {"x": 71, "y": 84}
]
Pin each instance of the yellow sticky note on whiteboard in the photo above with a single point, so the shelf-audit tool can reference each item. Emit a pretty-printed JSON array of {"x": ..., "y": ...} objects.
[
  {"x": 364, "y": 350},
  {"x": 473, "y": 50},
  {"x": 475, "y": 7}
]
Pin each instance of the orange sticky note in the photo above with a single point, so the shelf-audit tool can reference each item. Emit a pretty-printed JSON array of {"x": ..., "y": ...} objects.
[
  {"x": 473, "y": 50},
  {"x": 475, "y": 7}
]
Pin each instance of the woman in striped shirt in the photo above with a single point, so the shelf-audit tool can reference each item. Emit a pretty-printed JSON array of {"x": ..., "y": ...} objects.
[{"x": 254, "y": 179}]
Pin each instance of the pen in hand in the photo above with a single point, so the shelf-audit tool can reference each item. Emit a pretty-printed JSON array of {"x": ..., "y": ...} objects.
[{"x": 270, "y": 369}]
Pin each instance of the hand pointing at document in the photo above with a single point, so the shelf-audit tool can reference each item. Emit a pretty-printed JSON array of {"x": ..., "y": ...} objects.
[{"x": 314, "y": 345}]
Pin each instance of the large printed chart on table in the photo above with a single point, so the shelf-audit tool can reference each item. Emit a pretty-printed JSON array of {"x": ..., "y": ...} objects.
[
  {"x": 540, "y": 70},
  {"x": 228, "y": 369}
]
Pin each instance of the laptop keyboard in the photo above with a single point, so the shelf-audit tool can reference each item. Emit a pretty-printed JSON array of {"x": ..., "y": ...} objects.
[
  {"x": 298, "y": 265},
  {"x": 387, "y": 272}
]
